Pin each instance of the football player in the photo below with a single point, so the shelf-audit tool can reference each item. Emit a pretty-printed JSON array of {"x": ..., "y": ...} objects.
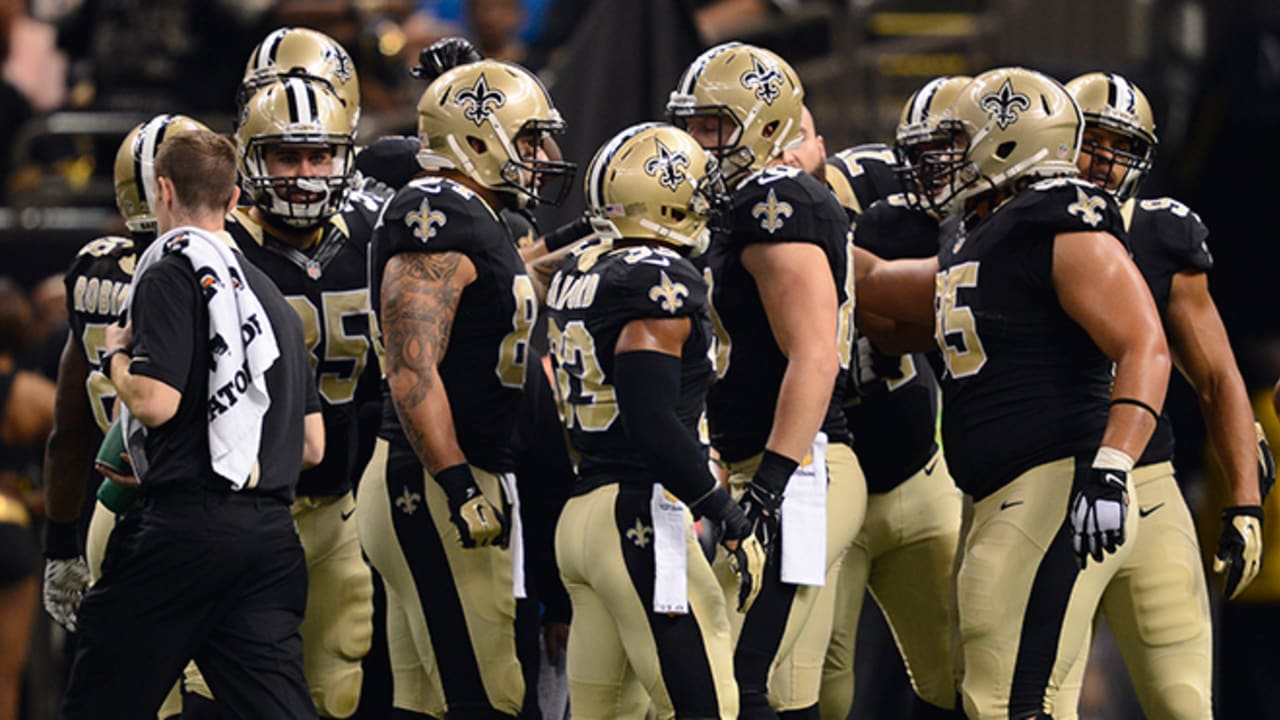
[
  {"x": 1157, "y": 606},
  {"x": 629, "y": 335},
  {"x": 455, "y": 308},
  {"x": 305, "y": 53},
  {"x": 1031, "y": 300},
  {"x": 97, "y": 283},
  {"x": 309, "y": 231},
  {"x": 782, "y": 295},
  {"x": 907, "y": 545}
]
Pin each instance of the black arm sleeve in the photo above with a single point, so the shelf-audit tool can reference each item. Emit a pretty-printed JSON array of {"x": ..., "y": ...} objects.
[{"x": 648, "y": 389}]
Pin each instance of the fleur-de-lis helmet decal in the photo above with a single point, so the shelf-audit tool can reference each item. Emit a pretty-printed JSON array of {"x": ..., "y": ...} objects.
[
  {"x": 653, "y": 180},
  {"x": 469, "y": 119},
  {"x": 479, "y": 101},
  {"x": 764, "y": 79},
  {"x": 754, "y": 95},
  {"x": 1013, "y": 123},
  {"x": 667, "y": 166},
  {"x": 1005, "y": 104}
]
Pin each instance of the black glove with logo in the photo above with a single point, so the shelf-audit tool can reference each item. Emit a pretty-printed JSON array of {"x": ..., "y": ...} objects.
[
  {"x": 1099, "y": 501},
  {"x": 747, "y": 558},
  {"x": 762, "y": 501},
  {"x": 1239, "y": 552},
  {"x": 444, "y": 55}
]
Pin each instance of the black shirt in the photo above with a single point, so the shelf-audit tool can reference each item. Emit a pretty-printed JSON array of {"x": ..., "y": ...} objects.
[
  {"x": 777, "y": 205},
  {"x": 1024, "y": 383},
  {"x": 591, "y": 298},
  {"x": 894, "y": 419},
  {"x": 483, "y": 368},
  {"x": 171, "y": 331},
  {"x": 328, "y": 286}
]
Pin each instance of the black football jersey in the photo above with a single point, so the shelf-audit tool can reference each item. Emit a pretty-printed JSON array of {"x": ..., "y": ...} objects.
[
  {"x": 97, "y": 284},
  {"x": 328, "y": 287},
  {"x": 863, "y": 174},
  {"x": 1166, "y": 238},
  {"x": 894, "y": 418},
  {"x": 593, "y": 295},
  {"x": 1024, "y": 384},
  {"x": 483, "y": 368},
  {"x": 776, "y": 205}
]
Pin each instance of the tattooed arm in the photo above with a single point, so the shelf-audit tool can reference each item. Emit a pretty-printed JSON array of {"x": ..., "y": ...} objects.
[{"x": 420, "y": 293}]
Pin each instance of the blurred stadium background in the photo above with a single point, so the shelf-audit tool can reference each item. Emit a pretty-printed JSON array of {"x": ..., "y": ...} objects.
[{"x": 79, "y": 73}]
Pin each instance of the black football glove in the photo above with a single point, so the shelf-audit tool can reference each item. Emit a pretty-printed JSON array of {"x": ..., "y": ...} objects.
[
  {"x": 479, "y": 523},
  {"x": 762, "y": 500},
  {"x": 871, "y": 368},
  {"x": 1099, "y": 501},
  {"x": 1239, "y": 552},
  {"x": 1266, "y": 463},
  {"x": 747, "y": 558},
  {"x": 444, "y": 55}
]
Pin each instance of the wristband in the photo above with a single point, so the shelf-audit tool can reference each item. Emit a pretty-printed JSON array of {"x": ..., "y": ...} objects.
[
  {"x": 61, "y": 541},
  {"x": 713, "y": 504},
  {"x": 567, "y": 234},
  {"x": 1109, "y": 458},
  {"x": 106, "y": 360},
  {"x": 456, "y": 480},
  {"x": 1136, "y": 402},
  {"x": 774, "y": 471}
]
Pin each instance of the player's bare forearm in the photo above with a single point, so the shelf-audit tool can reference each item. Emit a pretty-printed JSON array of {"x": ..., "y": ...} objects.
[
  {"x": 68, "y": 456},
  {"x": 1202, "y": 352},
  {"x": 420, "y": 295}
]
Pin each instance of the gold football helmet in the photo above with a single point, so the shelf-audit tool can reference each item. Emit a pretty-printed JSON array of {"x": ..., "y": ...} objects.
[
  {"x": 1012, "y": 124},
  {"x": 743, "y": 103},
  {"x": 494, "y": 122},
  {"x": 1111, "y": 102},
  {"x": 655, "y": 181},
  {"x": 303, "y": 114},
  {"x": 919, "y": 131},
  {"x": 307, "y": 53},
  {"x": 135, "y": 168}
]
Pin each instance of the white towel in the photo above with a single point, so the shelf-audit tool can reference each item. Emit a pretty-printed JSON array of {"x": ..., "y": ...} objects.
[
  {"x": 242, "y": 344},
  {"x": 670, "y": 553},
  {"x": 804, "y": 520},
  {"x": 516, "y": 543}
]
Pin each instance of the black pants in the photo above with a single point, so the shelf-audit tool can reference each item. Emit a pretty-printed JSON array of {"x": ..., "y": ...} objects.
[{"x": 215, "y": 577}]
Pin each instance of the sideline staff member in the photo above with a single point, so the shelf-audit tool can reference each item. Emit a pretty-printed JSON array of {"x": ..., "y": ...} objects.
[{"x": 214, "y": 377}]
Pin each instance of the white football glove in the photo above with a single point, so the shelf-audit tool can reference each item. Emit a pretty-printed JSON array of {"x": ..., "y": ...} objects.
[{"x": 65, "y": 582}]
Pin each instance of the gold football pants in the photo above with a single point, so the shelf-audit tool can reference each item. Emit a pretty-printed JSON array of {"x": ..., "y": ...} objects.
[
  {"x": 904, "y": 555},
  {"x": 1025, "y": 608},
  {"x": 450, "y": 610},
  {"x": 1157, "y": 605},
  {"x": 768, "y": 656},
  {"x": 683, "y": 663}
]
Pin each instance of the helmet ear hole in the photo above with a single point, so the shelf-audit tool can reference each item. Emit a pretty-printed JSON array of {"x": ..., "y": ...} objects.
[
  {"x": 477, "y": 144},
  {"x": 1005, "y": 149},
  {"x": 768, "y": 130}
]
